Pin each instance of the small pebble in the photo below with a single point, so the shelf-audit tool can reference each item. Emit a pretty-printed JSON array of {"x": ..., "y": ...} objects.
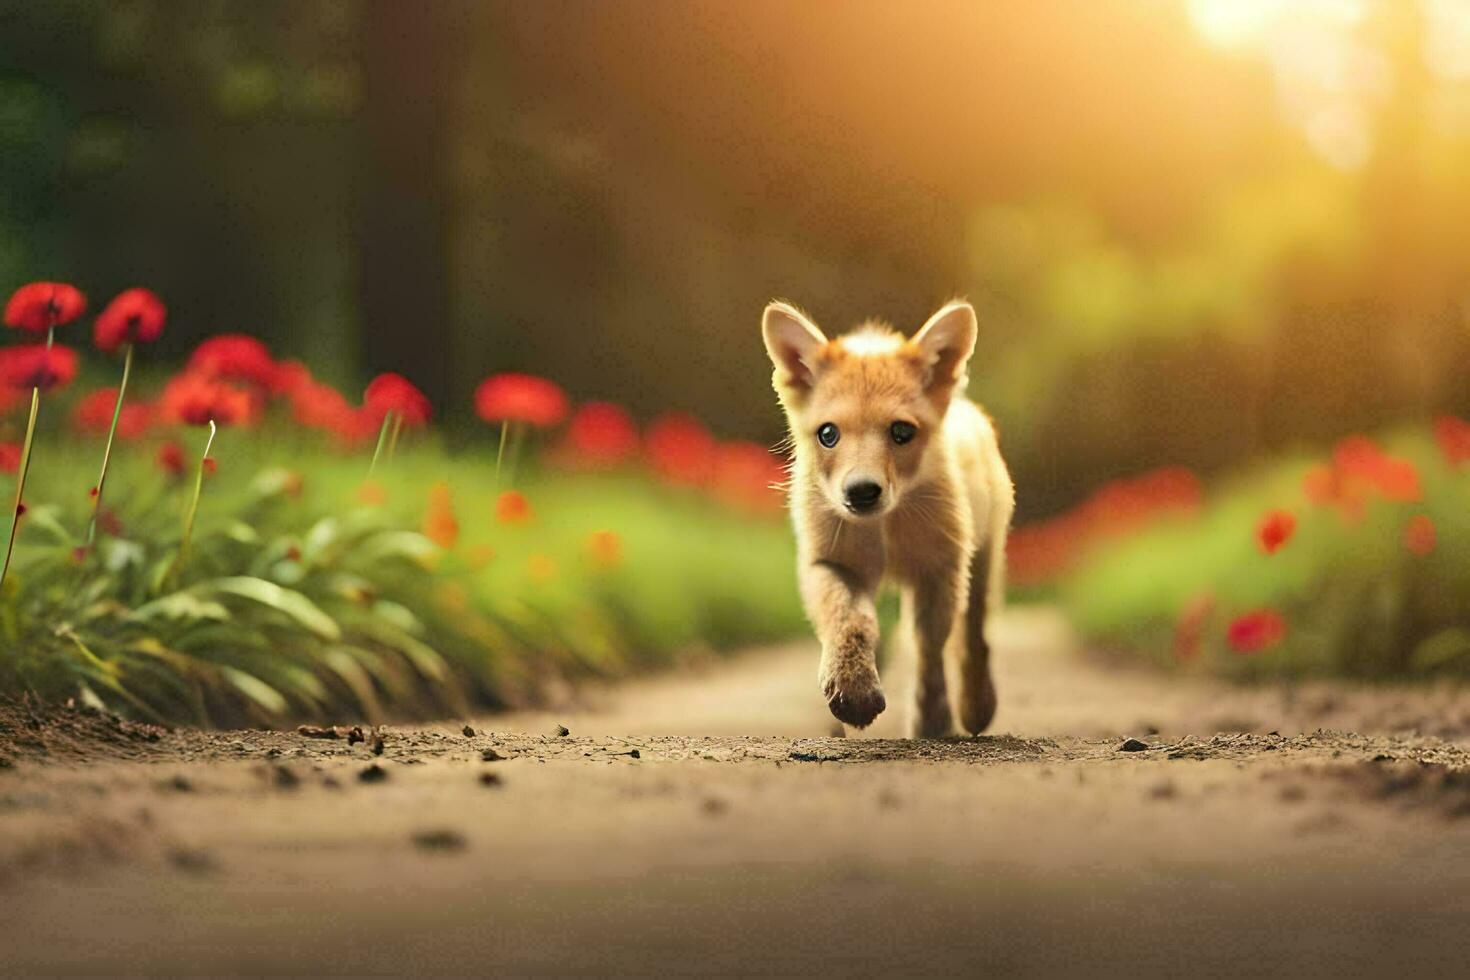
[
  {"x": 490, "y": 755},
  {"x": 1133, "y": 745},
  {"x": 468, "y": 732},
  {"x": 563, "y": 731},
  {"x": 192, "y": 860},
  {"x": 440, "y": 840},
  {"x": 1163, "y": 791},
  {"x": 355, "y": 735},
  {"x": 377, "y": 745}
]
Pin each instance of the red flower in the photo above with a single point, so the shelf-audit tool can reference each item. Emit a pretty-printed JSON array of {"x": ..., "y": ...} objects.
[
  {"x": 289, "y": 376},
  {"x": 520, "y": 398},
  {"x": 235, "y": 357},
  {"x": 320, "y": 406},
  {"x": 1357, "y": 456},
  {"x": 1321, "y": 485},
  {"x": 601, "y": 434},
  {"x": 39, "y": 306},
  {"x": 171, "y": 458},
  {"x": 10, "y": 457},
  {"x": 134, "y": 317},
  {"x": 680, "y": 449},
  {"x": 1419, "y": 535},
  {"x": 1326, "y": 486},
  {"x": 1255, "y": 631},
  {"x": 195, "y": 399},
  {"x": 1361, "y": 461},
  {"x": 1398, "y": 480},
  {"x": 37, "y": 366},
  {"x": 747, "y": 475},
  {"x": 395, "y": 393},
  {"x": 1453, "y": 436},
  {"x": 1041, "y": 551},
  {"x": 1127, "y": 504},
  {"x": 93, "y": 415},
  {"x": 1274, "y": 530},
  {"x": 512, "y": 507}
]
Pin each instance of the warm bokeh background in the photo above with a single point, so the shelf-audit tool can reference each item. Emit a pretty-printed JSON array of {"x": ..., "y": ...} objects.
[{"x": 1197, "y": 231}]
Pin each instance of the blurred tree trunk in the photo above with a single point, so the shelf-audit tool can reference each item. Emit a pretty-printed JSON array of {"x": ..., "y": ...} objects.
[{"x": 410, "y": 62}]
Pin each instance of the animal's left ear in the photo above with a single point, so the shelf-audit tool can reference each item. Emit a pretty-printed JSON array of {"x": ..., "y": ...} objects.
[{"x": 946, "y": 342}]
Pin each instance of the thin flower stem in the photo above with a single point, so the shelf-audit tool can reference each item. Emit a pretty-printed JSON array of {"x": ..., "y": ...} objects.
[
  {"x": 393, "y": 439},
  {"x": 517, "y": 436},
  {"x": 122, "y": 390},
  {"x": 25, "y": 468},
  {"x": 382, "y": 439},
  {"x": 500, "y": 452},
  {"x": 20, "y": 483},
  {"x": 193, "y": 504}
]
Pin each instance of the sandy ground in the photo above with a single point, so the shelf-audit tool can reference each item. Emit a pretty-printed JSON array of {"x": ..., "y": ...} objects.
[{"x": 708, "y": 822}]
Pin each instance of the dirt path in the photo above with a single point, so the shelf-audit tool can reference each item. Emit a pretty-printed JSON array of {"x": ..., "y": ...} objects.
[{"x": 1254, "y": 834}]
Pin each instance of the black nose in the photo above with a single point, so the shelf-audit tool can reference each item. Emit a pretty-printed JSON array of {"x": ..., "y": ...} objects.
[{"x": 862, "y": 495}]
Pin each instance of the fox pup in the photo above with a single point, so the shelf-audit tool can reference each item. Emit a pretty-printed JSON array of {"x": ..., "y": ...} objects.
[{"x": 897, "y": 477}]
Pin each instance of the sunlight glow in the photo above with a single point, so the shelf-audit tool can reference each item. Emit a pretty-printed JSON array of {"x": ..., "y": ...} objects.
[
  {"x": 1235, "y": 23},
  {"x": 1327, "y": 79},
  {"x": 1447, "y": 39}
]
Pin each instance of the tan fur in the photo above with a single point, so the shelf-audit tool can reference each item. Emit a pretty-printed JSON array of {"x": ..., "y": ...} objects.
[{"x": 938, "y": 532}]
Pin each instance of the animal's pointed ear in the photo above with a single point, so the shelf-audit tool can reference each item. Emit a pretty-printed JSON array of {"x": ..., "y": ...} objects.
[
  {"x": 946, "y": 342},
  {"x": 792, "y": 341}
]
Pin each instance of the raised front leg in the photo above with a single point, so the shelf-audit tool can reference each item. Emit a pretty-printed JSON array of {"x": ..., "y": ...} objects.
[
  {"x": 935, "y": 601},
  {"x": 840, "y": 604}
]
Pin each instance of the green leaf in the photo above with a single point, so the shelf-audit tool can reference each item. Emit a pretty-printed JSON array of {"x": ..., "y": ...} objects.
[
  {"x": 1442, "y": 650},
  {"x": 399, "y": 615},
  {"x": 285, "y": 601},
  {"x": 180, "y": 605},
  {"x": 256, "y": 690},
  {"x": 118, "y": 554},
  {"x": 425, "y": 658},
  {"x": 408, "y": 545},
  {"x": 45, "y": 518},
  {"x": 241, "y": 532},
  {"x": 321, "y": 537},
  {"x": 357, "y": 679}
]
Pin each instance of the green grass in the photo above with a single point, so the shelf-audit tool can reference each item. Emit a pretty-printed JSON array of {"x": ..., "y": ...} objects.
[
  {"x": 308, "y": 603},
  {"x": 1356, "y": 601}
]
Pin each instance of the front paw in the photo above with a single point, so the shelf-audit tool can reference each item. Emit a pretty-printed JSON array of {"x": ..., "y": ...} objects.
[{"x": 854, "y": 695}]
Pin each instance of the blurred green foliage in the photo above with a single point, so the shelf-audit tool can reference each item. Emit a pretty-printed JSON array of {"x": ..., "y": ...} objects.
[
  {"x": 1355, "y": 598},
  {"x": 299, "y": 601}
]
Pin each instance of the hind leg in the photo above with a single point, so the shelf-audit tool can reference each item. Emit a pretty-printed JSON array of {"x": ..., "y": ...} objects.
[{"x": 977, "y": 689}]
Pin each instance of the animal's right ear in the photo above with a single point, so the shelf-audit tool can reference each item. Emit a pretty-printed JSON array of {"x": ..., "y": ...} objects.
[{"x": 792, "y": 341}]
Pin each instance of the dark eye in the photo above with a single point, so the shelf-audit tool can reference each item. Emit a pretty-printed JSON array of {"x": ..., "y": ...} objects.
[
  {"x": 828, "y": 435},
  {"x": 902, "y": 432}
]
